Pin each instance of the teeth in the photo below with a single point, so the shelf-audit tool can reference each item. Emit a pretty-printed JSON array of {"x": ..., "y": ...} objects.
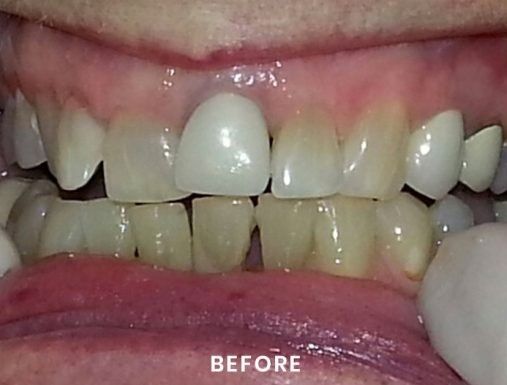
[
  {"x": 224, "y": 149},
  {"x": 7, "y": 131},
  {"x": 499, "y": 185},
  {"x": 481, "y": 156},
  {"x": 10, "y": 191},
  {"x": 9, "y": 257},
  {"x": 286, "y": 231},
  {"x": 450, "y": 215},
  {"x": 306, "y": 160},
  {"x": 222, "y": 228},
  {"x": 62, "y": 231},
  {"x": 434, "y": 155},
  {"x": 162, "y": 234},
  {"x": 107, "y": 229},
  {"x": 344, "y": 236},
  {"x": 79, "y": 147},
  {"x": 500, "y": 209},
  {"x": 404, "y": 233},
  {"x": 27, "y": 141},
  {"x": 462, "y": 301},
  {"x": 373, "y": 164},
  {"x": 139, "y": 161},
  {"x": 48, "y": 113}
]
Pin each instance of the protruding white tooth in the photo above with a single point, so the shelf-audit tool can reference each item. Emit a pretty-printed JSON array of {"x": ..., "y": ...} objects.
[
  {"x": 7, "y": 131},
  {"x": 224, "y": 149},
  {"x": 373, "y": 154},
  {"x": 306, "y": 159},
  {"x": 499, "y": 185},
  {"x": 62, "y": 231},
  {"x": 79, "y": 148},
  {"x": 26, "y": 136},
  {"x": 48, "y": 114},
  {"x": 404, "y": 234},
  {"x": 222, "y": 228},
  {"x": 450, "y": 215},
  {"x": 139, "y": 160},
  {"x": 286, "y": 231},
  {"x": 162, "y": 234},
  {"x": 10, "y": 191},
  {"x": 344, "y": 236},
  {"x": 9, "y": 257},
  {"x": 481, "y": 156},
  {"x": 434, "y": 155},
  {"x": 462, "y": 301},
  {"x": 500, "y": 209}
]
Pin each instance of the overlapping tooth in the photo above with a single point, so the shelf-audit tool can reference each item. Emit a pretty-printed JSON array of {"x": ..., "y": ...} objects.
[
  {"x": 139, "y": 158},
  {"x": 222, "y": 227},
  {"x": 450, "y": 215},
  {"x": 373, "y": 162},
  {"x": 434, "y": 155},
  {"x": 481, "y": 157},
  {"x": 162, "y": 234},
  {"x": 10, "y": 191},
  {"x": 404, "y": 234},
  {"x": 48, "y": 114},
  {"x": 344, "y": 236},
  {"x": 62, "y": 230},
  {"x": 27, "y": 140},
  {"x": 9, "y": 257},
  {"x": 224, "y": 149},
  {"x": 107, "y": 229},
  {"x": 500, "y": 210},
  {"x": 499, "y": 185},
  {"x": 286, "y": 231},
  {"x": 7, "y": 131},
  {"x": 306, "y": 158}
]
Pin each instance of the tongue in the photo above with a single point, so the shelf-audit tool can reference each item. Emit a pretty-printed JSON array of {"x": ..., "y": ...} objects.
[{"x": 84, "y": 320}]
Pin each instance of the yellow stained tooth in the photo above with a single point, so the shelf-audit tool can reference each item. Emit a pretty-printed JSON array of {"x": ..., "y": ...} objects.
[
  {"x": 10, "y": 190},
  {"x": 222, "y": 227},
  {"x": 344, "y": 236},
  {"x": 286, "y": 231},
  {"x": 162, "y": 234},
  {"x": 404, "y": 233}
]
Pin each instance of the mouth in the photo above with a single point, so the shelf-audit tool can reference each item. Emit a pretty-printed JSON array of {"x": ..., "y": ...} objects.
[{"x": 172, "y": 198}]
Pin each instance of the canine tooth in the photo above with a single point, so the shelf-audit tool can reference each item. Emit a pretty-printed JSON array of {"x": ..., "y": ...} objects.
[
  {"x": 7, "y": 131},
  {"x": 306, "y": 158},
  {"x": 344, "y": 236},
  {"x": 139, "y": 161},
  {"x": 462, "y": 301},
  {"x": 162, "y": 234},
  {"x": 450, "y": 215},
  {"x": 48, "y": 114},
  {"x": 62, "y": 230},
  {"x": 224, "y": 148},
  {"x": 79, "y": 147},
  {"x": 500, "y": 209},
  {"x": 404, "y": 233},
  {"x": 286, "y": 231},
  {"x": 481, "y": 156},
  {"x": 499, "y": 185},
  {"x": 107, "y": 228},
  {"x": 28, "y": 146},
  {"x": 434, "y": 155},
  {"x": 9, "y": 257},
  {"x": 10, "y": 191},
  {"x": 373, "y": 165},
  {"x": 222, "y": 227}
]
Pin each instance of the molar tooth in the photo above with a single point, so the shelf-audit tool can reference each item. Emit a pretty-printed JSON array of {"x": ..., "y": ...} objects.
[
  {"x": 404, "y": 233},
  {"x": 481, "y": 156},
  {"x": 434, "y": 155},
  {"x": 9, "y": 257},
  {"x": 306, "y": 158},
  {"x": 500, "y": 209},
  {"x": 373, "y": 154},
  {"x": 344, "y": 236},
  {"x": 107, "y": 228},
  {"x": 27, "y": 140},
  {"x": 139, "y": 160},
  {"x": 286, "y": 231},
  {"x": 7, "y": 131},
  {"x": 10, "y": 191},
  {"x": 224, "y": 148},
  {"x": 499, "y": 185},
  {"x": 162, "y": 234},
  {"x": 222, "y": 227},
  {"x": 450, "y": 215},
  {"x": 62, "y": 230}
]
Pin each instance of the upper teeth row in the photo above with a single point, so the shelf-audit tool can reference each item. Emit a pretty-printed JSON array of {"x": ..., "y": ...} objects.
[{"x": 224, "y": 150}]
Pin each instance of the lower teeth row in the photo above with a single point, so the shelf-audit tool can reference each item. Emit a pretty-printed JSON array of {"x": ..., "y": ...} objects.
[{"x": 339, "y": 235}]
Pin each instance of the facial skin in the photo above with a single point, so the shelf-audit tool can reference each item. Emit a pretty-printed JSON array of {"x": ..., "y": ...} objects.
[{"x": 214, "y": 36}]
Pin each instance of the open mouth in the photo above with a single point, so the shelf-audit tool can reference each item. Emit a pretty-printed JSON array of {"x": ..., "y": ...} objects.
[{"x": 172, "y": 198}]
